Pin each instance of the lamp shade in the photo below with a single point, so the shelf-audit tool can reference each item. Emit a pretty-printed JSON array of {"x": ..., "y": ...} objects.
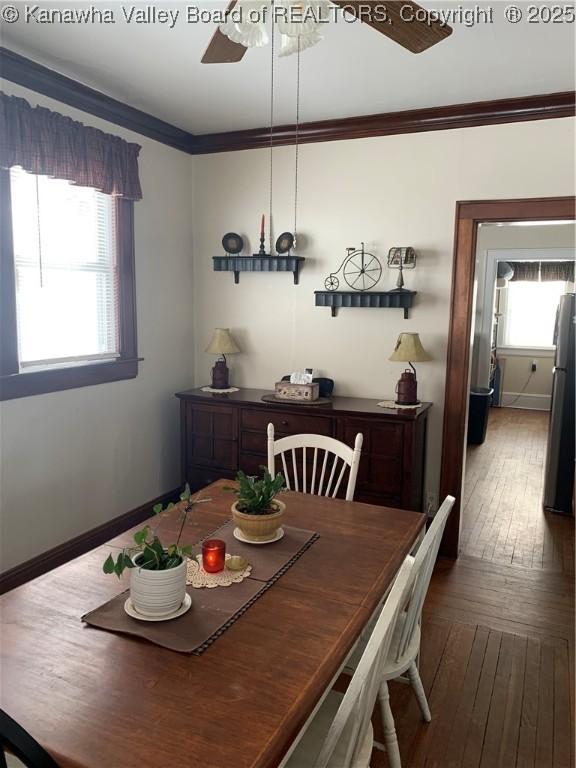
[
  {"x": 222, "y": 343},
  {"x": 409, "y": 349}
]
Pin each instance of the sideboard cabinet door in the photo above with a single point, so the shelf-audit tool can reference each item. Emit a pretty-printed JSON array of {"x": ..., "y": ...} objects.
[{"x": 209, "y": 442}]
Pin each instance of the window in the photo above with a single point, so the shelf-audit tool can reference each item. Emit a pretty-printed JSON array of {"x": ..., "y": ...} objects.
[
  {"x": 68, "y": 315},
  {"x": 531, "y": 313}
]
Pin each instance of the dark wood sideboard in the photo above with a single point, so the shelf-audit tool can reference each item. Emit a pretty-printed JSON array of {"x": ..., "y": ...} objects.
[{"x": 223, "y": 433}]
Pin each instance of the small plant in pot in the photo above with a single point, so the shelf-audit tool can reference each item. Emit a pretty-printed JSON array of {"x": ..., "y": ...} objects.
[
  {"x": 157, "y": 571},
  {"x": 257, "y": 511}
]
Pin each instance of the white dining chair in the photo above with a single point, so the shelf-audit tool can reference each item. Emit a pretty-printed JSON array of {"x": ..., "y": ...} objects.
[
  {"x": 326, "y": 463},
  {"x": 405, "y": 646},
  {"x": 339, "y": 735}
]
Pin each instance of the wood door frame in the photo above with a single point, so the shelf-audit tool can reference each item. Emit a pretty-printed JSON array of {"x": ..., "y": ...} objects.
[{"x": 468, "y": 215}]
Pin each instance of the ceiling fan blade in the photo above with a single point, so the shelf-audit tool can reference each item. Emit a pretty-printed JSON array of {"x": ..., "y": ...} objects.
[
  {"x": 415, "y": 36},
  {"x": 222, "y": 50}
]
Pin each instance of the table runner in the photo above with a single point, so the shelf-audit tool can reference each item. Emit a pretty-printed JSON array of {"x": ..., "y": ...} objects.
[{"x": 213, "y": 610}]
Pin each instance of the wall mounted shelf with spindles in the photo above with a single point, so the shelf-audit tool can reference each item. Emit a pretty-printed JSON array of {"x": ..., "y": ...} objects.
[
  {"x": 237, "y": 264},
  {"x": 399, "y": 299}
]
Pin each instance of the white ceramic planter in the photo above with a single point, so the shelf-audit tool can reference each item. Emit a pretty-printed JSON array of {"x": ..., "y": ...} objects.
[{"x": 158, "y": 593}]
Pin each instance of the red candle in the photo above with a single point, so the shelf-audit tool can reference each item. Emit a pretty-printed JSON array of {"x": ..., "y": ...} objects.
[
  {"x": 213, "y": 555},
  {"x": 262, "y": 226}
]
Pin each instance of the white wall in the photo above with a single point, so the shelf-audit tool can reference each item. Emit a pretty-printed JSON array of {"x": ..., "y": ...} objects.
[
  {"x": 388, "y": 191},
  {"x": 72, "y": 460}
]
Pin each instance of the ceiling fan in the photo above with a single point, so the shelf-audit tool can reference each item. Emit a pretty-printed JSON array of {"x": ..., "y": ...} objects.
[{"x": 407, "y": 23}]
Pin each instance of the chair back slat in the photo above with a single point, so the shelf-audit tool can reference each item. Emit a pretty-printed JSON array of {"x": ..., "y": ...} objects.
[
  {"x": 352, "y": 720},
  {"x": 329, "y": 486},
  {"x": 313, "y": 478},
  {"x": 295, "y": 469},
  {"x": 424, "y": 562},
  {"x": 331, "y": 474},
  {"x": 340, "y": 476},
  {"x": 285, "y": 472},
  {"x": 321, "y": 483}
]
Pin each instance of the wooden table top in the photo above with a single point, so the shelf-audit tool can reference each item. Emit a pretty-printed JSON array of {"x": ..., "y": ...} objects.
[{"x": 94, "y": 698}]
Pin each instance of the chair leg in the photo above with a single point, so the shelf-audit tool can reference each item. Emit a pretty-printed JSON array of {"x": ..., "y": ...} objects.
[
  {"x": 416, "y": 683},
  {"x": 390, "y": 738}
]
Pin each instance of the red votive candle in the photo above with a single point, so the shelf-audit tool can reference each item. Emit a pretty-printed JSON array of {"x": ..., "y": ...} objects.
[{"x": 213, "y": 555}]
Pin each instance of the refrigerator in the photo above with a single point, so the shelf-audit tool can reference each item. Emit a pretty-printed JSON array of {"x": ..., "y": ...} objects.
[{"x": 559, "y": 473}]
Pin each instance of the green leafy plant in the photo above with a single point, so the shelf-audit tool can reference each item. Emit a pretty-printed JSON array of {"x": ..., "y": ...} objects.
[
  {"x": 154, "y": 556},
  {"x": 255, "y": 495}
]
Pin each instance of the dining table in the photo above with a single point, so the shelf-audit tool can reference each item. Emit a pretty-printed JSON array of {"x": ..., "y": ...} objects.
[{"x": 99, "y": 699}]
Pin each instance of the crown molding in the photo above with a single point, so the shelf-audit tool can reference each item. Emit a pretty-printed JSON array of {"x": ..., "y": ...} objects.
[
  {"x": 23, "y": 71},
  {"x": 541, "y": 107}
]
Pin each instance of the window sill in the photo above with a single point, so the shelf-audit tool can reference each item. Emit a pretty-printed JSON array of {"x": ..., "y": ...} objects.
[
  {"x": 526, "y": 351},
  {"x": 70, "y": 377}
]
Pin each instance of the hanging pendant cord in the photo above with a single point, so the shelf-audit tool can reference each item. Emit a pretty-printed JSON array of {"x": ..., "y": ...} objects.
[
  {"x": 297, "y": 136},
  {"x": 39, "y": 233},
  {"x": 271, "y": 125}
]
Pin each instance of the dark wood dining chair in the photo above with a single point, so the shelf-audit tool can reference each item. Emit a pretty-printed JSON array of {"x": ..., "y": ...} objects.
[{"x": 18, "y": 748}]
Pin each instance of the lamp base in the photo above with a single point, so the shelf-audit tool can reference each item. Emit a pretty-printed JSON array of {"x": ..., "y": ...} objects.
[
  {"x": 220, "y": 375},
  {"x": 416, "y": 402},
  {"x": 407, "y": 389}
]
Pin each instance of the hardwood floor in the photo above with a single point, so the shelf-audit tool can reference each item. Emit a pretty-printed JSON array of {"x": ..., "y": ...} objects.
[
  {"x": 502, "y": 518},
  {"x": 497, "y": 659}
]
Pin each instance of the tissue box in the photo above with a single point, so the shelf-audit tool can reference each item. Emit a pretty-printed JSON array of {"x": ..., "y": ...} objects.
[{"x": 284, "y": 390}]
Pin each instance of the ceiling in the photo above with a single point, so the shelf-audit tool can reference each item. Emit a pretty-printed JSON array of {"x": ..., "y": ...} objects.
[{"x": 353, "y": 71}]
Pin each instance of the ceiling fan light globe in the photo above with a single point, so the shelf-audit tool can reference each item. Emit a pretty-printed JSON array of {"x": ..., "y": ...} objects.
[
  {"x": 289, "y": 45},
  {"x": 254, "y": 35}
]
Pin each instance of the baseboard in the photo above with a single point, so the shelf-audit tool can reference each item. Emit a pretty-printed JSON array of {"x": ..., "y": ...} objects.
[
  {"x": 526, "y": 402},
  {"x": 40, "y": 564}
]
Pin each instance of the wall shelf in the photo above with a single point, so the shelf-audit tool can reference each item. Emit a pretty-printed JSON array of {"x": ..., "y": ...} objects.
[
  {"x": 237, "y": 264},
  {"x": 399, "y": 299}
]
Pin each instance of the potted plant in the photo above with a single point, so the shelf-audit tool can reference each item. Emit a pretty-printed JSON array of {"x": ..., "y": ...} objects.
[
  {"x": 257, "y": 511},
  {"x": 157, "y": 571}
]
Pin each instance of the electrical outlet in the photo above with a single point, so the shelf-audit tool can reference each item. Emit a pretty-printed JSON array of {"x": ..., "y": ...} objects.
[
  {"x": 534, "y": 365},
  {"x": 431, "y": 503}
]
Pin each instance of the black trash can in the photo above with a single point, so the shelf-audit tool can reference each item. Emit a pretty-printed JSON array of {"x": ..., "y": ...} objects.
[{"x": 480, "y": 401}]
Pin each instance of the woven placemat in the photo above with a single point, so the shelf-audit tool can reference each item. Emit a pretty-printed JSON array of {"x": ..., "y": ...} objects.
[{"x": 213, "y": 611}]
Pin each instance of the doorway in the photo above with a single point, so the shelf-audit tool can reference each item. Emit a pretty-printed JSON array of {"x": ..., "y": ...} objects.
[
  {"x": 469, "y": 218},
  {"x": 523, "y": 269}
]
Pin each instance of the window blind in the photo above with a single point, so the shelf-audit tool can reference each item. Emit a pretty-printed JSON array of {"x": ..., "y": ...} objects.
[{"x": 66, "y": 271}]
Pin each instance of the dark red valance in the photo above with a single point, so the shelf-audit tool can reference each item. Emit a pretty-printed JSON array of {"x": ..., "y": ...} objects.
[{"x": 49, "y": 144}]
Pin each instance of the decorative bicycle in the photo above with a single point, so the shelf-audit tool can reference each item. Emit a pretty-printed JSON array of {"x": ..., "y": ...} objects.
[{"x": 361, "y": 271}]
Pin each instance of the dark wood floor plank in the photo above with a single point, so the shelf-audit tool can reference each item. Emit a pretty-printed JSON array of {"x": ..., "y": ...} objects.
[
  {"x": 529, "y": 717},
  {"x": 456, "y": 741},
  {"x": 515, "y": 694},
  {"x": 545, "y": 727},
  {"x": 475, "y": 737},
  {"x": 562, "y": 719},
  {"x": 491, "y": 752},
  {"x": 450, "y": 681}
]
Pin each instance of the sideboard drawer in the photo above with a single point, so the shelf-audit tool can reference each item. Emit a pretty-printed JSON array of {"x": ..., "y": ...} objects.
[{"x": 286, "y": 423}]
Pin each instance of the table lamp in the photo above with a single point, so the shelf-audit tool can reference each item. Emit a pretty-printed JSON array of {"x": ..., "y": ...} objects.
[
  {"x": 408, "y": 349},
  {"x": 223, "y": 344}
]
